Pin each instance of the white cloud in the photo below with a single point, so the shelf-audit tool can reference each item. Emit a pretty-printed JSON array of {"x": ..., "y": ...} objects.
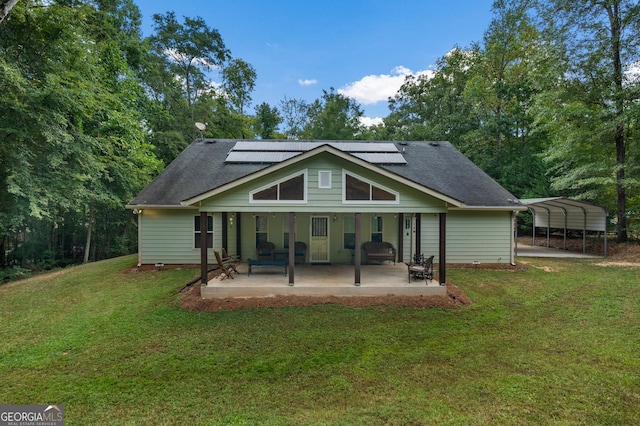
[
  {"x": 307, "y": 82},
  {"x": 368, "y": 121},
  {"x": 372, "y": 89}
]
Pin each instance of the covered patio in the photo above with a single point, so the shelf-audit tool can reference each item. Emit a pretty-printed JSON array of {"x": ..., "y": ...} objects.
[{"x": 322, "y": 280}]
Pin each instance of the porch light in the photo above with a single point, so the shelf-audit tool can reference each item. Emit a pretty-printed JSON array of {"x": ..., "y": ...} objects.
[
  {"x": 335, "y": 217},
  {"x": 231, "y": 220}
]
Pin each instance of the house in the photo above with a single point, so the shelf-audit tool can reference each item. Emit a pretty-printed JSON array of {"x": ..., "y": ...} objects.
[{"x": 422, "y": 197}]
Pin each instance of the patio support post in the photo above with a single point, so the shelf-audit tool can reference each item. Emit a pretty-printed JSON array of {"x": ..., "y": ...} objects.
[
  {"x": 357, "y": 259},
  {"x": 225, "y": 230},
  {"x": 238, "y": 235},
  {"x": 442, "y": 268},
  {"x": 400, "y": 238},
  {"x": 418, "y": 234},
  {"x": 292, "y": 245},
  {"x": 204, "y": 264}
]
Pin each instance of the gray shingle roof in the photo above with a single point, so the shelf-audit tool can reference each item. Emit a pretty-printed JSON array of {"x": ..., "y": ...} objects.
[{"x": 436, "y": 165}]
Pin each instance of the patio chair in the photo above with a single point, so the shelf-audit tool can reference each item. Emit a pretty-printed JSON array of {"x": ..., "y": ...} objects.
[
  {"x": 421, "y": 268},
  {"x": 300, "y": 252},
  {"x": 226, "y": 271},
  {"x": 230, "y": 261},
  {"x": 266, "y": 251}
]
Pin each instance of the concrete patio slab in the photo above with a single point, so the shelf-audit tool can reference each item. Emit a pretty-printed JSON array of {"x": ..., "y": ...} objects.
[
  {"x": 322, "y": 280},
  {"x": 540, "y": 251}
]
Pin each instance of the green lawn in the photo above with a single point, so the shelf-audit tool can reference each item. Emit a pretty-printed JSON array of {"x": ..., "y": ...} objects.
[{"x": 536, "y": 347}]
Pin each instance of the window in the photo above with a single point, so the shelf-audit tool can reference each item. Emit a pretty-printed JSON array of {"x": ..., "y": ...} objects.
[
  {"x": 376, "y": 228},
  {"x": 349, "y": 232},
  {"x": 285, "y": 233},
  {"x": 197, "y": 232},
  {"x": 262, "y": 229},
  {"x": 359, "y": 190},
  {"x": 290, "y": 189},
  {"x": 324, "y": 179}
]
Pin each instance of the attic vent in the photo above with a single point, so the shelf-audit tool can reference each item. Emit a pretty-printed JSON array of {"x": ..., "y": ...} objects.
[{"x": 434, "y": 144}]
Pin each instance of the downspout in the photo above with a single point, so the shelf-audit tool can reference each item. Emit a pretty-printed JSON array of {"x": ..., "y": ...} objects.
[
  {"x": 514, "y": 237},
  {"x": 139, "y": 236}
]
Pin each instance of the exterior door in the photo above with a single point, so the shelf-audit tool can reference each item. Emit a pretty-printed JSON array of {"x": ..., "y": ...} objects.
[{"x": 319, "y": 247}]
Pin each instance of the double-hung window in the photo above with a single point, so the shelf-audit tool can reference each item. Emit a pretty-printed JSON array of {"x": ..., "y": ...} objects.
[{"x": 197, "y": 232}]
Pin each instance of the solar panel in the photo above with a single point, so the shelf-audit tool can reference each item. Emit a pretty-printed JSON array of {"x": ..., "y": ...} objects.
[{"x": 273, "y": 152}]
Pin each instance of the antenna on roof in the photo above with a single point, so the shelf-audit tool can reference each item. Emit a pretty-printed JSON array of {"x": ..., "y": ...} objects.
[{"x": 202, "y": 127}]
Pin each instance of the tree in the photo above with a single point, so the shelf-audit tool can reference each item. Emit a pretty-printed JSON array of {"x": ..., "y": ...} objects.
[
  {"x": 192, "y": 49},
  {"x": 432, "y": 106},
  {"x": 238, "y": 81},
  {"x": 333, "y": 117},
  {"x": 71, "y": 143},
  {"x": 266, "y": 121},
  {"x": 595, "y": 97},
  {"x": 294, "y": 115},
  {"x": 5, "y": 8}
]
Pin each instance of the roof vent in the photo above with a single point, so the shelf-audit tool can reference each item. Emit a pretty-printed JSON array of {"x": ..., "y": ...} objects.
[{"x": 434, "y": 143}]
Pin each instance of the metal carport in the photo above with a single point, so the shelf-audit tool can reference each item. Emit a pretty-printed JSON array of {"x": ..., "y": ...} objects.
[{"x": 567, "y": 214}]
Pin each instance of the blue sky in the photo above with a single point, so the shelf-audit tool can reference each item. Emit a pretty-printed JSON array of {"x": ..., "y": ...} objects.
[{"x": 362, "y": 48}]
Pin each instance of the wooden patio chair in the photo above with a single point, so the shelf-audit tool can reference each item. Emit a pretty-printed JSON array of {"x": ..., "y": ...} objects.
[
  {"x": 226, "y": 270},
  {"x": 421, "y": 268},
  {"x": 266, "y": 251},
  {"x": 230, "y": 261},
  {"x": 226, "y": 257}
]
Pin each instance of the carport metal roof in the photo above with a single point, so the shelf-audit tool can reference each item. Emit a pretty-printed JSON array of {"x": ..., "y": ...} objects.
[{"x": 565, "y": 213}]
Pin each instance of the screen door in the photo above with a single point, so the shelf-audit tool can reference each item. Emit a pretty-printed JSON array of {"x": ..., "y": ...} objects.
[{"x": 319, "y": 250}]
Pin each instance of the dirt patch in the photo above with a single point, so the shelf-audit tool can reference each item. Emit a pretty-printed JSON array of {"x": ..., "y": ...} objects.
[
  {"x": 632, "y": 264},
  {"x": 192, "y": 301}
]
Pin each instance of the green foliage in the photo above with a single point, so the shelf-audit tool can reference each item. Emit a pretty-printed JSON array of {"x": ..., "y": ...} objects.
[
  {"x": 591, "y": 111},
  {"x": 70, "y": 135},
  {"x": 333, "y": 117},
  {"x": 266, "y": 121}
]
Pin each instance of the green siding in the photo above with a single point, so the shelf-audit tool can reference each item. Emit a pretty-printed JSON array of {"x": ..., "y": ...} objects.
[
  {"x": 471, "y": 236},
  {"x": 167, "y": 236},
  {"x": 319, "y": 199}
]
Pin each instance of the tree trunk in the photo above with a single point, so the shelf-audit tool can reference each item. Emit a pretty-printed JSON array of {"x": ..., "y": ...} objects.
[
  {"x": 5, "y": 7},
  {"x": 87, "y": 245},
  {"x": 616, "y": 30}
]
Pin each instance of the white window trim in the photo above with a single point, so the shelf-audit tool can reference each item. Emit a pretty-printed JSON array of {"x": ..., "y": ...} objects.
[
  {"x": 325, "y": 173},
  {"x": 371, "y": 183},
  {"x": 277, "y": 182}
]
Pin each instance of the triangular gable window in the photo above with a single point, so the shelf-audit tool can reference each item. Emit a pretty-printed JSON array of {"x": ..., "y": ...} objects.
[
  {"x": 290, "y": 189},
  {"x": 360, "y": 190}
]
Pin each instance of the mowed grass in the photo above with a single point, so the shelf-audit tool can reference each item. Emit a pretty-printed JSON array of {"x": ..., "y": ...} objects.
[{"x": 557, "y": 343}]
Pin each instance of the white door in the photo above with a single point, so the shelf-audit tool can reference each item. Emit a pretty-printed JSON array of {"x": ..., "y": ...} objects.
[{"x": 319, "y": 247}]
